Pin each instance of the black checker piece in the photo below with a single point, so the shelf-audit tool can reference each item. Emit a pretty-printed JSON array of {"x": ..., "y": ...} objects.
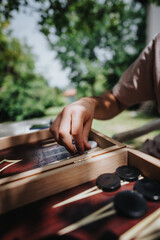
[
  {"x": 149, "y": 188},
  {"x": 108, "y": 182},
  {"x": 130, "y": 204},
  {"x": 128, "y": 173}
]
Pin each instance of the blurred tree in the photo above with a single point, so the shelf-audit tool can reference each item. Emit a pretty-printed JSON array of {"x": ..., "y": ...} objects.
[
  {"x": 23, "y": 93},
  {"x": 96, "y": 39}
]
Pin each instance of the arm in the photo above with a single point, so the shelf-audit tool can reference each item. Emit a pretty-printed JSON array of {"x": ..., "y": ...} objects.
[
  {"x": 139, "y": 83},
  {"x": 107, "y": 106},
  {"x": 76, "y": 119}
]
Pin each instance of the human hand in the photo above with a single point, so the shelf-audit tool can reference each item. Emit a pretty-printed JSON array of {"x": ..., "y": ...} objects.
[{"x": 76, "y": 120}]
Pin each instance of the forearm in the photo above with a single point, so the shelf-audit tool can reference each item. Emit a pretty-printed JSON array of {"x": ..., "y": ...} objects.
[{"x": 107, "y": 106}]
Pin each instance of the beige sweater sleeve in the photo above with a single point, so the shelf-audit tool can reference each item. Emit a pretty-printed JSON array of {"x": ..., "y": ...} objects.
[{"x": 141, "y": 81}]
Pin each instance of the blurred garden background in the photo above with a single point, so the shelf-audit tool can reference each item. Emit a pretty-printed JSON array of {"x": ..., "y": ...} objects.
[{"x": 93, "y": 42}]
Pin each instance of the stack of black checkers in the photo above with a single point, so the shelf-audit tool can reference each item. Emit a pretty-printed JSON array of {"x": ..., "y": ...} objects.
[
  {"x": 109, "y": 182},
  {"x": 124, "y": 201}
]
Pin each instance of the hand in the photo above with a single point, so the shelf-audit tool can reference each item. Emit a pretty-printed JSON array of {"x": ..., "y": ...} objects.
[{"x": 76, "y": 120}]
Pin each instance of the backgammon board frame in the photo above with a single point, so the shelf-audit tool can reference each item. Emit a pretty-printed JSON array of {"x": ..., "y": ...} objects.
[{"x": 33, "y": 185}]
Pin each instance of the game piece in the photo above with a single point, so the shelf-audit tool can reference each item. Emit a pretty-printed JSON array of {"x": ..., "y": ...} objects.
[
  {"x": 93, "y": 144},
  {"x": 128, "y": 173},
  {"x": 130, "y": 204},
  {"x": 108, "y": 182},
  {"x": 149, "y": 188}
]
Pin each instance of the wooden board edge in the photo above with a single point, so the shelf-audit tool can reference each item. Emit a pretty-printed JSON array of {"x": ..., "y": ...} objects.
[
  {"x": 7, "y": 142},
  {"x": 60, "y": 164},
  {"x": 28, "y": 190},
  {"x": 148, "y": 165},
  {"x": 24, "y": 191},
  {"x": 98, "y": 135}
]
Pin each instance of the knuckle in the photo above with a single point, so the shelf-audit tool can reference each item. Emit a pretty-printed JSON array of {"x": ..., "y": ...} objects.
[
  {"x": 66, "y": 110},
  {"x": 78, "y": 109},
  {"x": 75, "y": 110}
]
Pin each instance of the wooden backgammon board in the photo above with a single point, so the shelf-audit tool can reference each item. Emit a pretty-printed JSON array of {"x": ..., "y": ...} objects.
[{"x": 44, "y": 190}]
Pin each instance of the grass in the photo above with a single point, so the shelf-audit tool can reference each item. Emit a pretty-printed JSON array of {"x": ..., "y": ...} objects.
[
  {"x": 127, "y": 120},
  {"x": 53, "y": 111}
]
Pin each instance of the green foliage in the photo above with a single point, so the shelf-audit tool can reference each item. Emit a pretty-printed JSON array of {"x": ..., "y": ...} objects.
[
  {"x": 23, "y": 93},
  {"x": 95, "y": 39}
]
